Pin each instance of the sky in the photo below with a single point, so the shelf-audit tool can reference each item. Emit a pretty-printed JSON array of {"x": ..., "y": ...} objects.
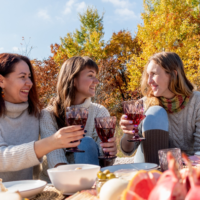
[{"x": 44, "y": 22}]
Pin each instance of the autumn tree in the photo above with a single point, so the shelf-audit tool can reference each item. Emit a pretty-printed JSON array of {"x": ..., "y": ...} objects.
[
  {"x": 87, "y": 41},
  {"x": 168, "y": 25},
  {"x": 46, "y": 72},
  {"x": 114, "y": 74}
]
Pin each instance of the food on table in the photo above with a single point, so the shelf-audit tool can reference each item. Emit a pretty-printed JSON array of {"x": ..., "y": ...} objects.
[
  {"x": 112, "y": 189},
  {"x": 78, "y": 168},
  {"x": 103, "y": 177},
  {"x": 127, "y": 174},
  {"x": 2, "y": 187},
  {"x": 170, "y": 185},
  {"x": 141, "y": 185}
]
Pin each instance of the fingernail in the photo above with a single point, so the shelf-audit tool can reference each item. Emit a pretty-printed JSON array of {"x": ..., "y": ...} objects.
[
  {"x": 85, "y": 131},
  {"x": 126, "y": 116},
  {"x": 101, "y": 145},
  {"x": 83, "y": 135},
  {"x": 130, "y": 122},
  {"x": 133, "y": 131},
  {"x": 82, "y": 126},
  {"x": 104, "y": 149},
  {"x": 108, "y": 140},
  {"x": 135, "y": 126}
]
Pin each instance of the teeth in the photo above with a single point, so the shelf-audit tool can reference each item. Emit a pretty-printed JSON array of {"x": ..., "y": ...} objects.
[{"x": 25, "y": 90}]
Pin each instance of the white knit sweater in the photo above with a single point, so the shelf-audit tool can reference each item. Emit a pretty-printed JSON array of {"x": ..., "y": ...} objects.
[
  {"x": 48, "y": 127},
  {"x": 18, "y": 132}
]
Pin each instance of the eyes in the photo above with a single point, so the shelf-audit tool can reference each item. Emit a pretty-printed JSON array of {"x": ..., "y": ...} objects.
[{"x": 23, "y": 77}]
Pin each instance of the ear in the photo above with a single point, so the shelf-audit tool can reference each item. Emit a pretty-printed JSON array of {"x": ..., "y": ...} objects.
[
  {"x": 75, "y": 82},
  {"x": 176, "y": 72},
  {"x": 2, "y": 81}
]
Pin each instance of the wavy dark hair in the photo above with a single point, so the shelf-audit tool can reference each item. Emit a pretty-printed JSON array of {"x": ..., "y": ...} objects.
[
  {"x": 65, "y": 97},
  {"x": 8, "y": 62}
]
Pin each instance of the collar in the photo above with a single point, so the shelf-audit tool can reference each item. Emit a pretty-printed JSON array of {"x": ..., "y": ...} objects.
[{"x": 15, "y": 110}]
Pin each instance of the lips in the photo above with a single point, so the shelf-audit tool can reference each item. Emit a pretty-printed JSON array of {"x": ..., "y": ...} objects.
[
  {"x": 154, "y": 87},
  {"x": 25, "y": 92}
]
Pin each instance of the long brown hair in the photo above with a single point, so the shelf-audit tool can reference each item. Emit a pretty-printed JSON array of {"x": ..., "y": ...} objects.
[
  {"x": 178, "y": 84},
  {"x": 70, "y": 69},
  {"x": 7, "y": 66}
]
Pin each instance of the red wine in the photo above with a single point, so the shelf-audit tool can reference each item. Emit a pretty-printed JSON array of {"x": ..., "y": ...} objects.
[
  {"x": 76, "y": 121},
  {"x": 105, "y": 133},
  {"x": 136, "y": 118}
]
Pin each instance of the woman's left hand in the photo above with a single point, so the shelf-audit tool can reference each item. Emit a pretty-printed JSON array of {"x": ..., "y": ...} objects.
[{"x": 110, "y": 146}]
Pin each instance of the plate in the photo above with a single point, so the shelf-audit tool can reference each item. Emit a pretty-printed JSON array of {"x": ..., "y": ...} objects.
[
  {"x": 26, "y": 188},
  {"x": 137, "y": 166}
]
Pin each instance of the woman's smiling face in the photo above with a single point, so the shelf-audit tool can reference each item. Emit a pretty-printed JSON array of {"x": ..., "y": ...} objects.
[
  {"x": 17, "y": 84},
  {"x": 158, "y": 80},
  {"x": 86, "y": 83}
]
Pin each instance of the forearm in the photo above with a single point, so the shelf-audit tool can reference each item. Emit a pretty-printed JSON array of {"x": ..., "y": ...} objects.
[
  {"x": 43, "y": 147},
  {"x": 15, "y": 158},
  {"x": 125, "y": 145}
]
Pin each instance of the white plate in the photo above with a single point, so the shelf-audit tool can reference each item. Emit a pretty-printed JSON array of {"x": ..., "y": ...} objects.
[
  {"x": 197, "y": 153},
  {"x": 137, "y": 166},
  {"x": 26, "y": 188}
]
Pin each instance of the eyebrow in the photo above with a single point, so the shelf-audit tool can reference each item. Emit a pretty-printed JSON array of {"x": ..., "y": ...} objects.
[
  {"x": 24, "y": 73},
  {"x": 91, "y": 71}
]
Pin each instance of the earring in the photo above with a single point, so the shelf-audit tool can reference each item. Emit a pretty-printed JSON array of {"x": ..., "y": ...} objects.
[{"x": 2, "y": 94}]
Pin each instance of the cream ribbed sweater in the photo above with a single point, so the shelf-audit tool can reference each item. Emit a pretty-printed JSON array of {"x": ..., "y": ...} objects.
[
  {"x": 18, "y": 132},
  {"x": 48, "y": 127}
]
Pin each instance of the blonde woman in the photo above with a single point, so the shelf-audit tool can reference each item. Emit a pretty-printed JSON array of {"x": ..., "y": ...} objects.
[
  {"x": 172, "y": 106},
  {"x": 76, "y": 85}
]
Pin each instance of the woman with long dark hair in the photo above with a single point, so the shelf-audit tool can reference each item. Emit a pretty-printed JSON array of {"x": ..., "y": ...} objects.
[
  {"x": 76, "y": 85},
  {"x": 171, "y": 106},
  {"x": 20, "y": 149}
]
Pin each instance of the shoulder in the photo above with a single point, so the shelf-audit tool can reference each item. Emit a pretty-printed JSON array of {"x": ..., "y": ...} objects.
[
  {"x": 195, "y": 98},
  {"x": 99, "y": 109},
  {"x": 47, "y": 112}
]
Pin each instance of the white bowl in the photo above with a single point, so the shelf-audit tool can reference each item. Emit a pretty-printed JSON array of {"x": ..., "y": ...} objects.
[{"x": 68, "y": 180}]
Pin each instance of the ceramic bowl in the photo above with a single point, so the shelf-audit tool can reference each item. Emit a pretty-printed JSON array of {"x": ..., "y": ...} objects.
[{"x": 68, "y": 180}]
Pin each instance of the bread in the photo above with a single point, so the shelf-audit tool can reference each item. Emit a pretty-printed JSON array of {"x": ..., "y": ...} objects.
[{"x": 2, "y": 187}]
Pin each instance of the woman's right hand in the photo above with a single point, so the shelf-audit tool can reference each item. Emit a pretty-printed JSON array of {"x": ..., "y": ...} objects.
[
  {"x": 127, "y": 126},
  {"x": 64, "y": 136}
]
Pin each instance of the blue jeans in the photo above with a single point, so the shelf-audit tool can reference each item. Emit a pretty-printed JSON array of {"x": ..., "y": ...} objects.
[
  {"x": 90, "y": 156},
  {"x": 156, "y": 118}
]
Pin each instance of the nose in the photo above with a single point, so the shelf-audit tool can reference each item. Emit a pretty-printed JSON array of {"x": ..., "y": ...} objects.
[
  {"x": 96, "y": 81},
  {"x": 29, "y": 82}
]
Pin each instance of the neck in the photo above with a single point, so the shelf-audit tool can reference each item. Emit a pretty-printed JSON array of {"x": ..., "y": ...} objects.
[
  {"x": 79, "y": 99},
  {"x": 169, "y": 95}
]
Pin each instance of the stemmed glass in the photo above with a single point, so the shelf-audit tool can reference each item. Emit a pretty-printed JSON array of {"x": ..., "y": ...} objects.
[
  {"x": 105, "y": 127},
  {"x": 76, "y": 116},
  {"x": 134, "y": 111}
]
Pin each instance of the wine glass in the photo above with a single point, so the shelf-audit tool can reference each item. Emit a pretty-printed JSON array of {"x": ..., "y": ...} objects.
[
  {"x": 134, "y": 111},
  {"x": 105, "y": 127},
  {"x": 76, "y": 116}
]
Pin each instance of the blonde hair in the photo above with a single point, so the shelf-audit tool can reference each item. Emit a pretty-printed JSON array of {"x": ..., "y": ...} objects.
[
  {"x": 173, "y": 65},
  {"x": 70, "y": 69}
]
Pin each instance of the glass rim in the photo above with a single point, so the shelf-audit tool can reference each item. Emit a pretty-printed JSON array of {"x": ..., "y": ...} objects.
[
  {"x": 106, "y": 117},
  {"x": 169, "y": 149}
]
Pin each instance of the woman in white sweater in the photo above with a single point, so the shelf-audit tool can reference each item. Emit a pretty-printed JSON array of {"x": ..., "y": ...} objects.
[
  {"x": 76, "y": 85},
  {"x": 20, "y": 149},
  {"x": 172, "y": 107}
]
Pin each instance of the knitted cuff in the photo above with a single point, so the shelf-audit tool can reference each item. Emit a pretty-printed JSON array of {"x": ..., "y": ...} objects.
[{"x": 155, "y": 140}]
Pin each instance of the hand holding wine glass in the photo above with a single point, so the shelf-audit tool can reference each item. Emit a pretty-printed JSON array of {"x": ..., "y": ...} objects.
[
  {"x": 76, "y": 116},
  {"x": 105, "y": 127},
  {"x": 134, "y": 114}
]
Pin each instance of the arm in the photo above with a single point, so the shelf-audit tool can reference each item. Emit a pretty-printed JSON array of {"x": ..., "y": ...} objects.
[
  {"x": 18, "y": 157},
  {"x": 48, "y": 127},
  {"x": 197, "y": 131}
]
